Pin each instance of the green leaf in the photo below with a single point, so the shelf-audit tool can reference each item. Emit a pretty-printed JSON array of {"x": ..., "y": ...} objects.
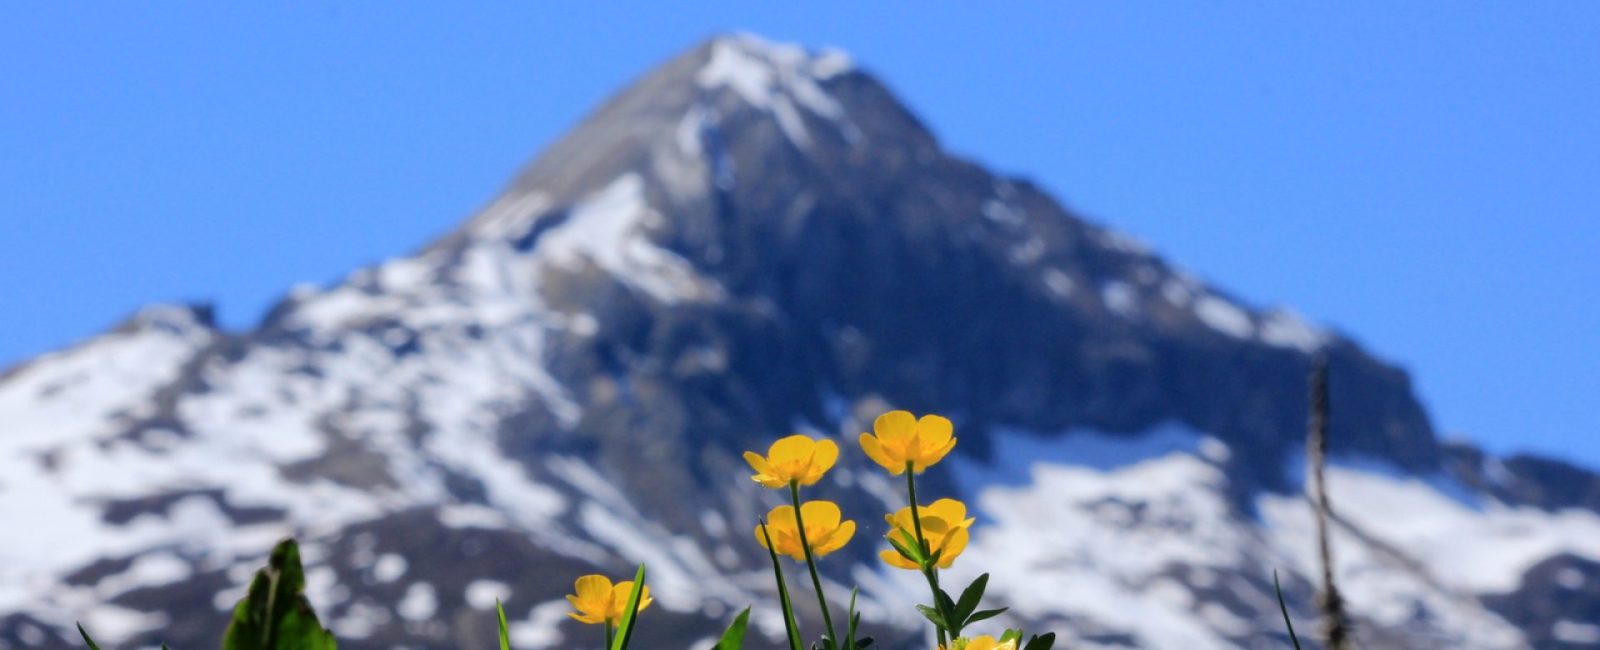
[
  {"x": 625, "y": 627},
  {"x": 1011, "y": 635},
  {"x": 932, "y": 615},
  {"x": 852, "y": 621},
  {"x": 789, "y": 623},
  {"x": 1285, "y": 609},
  {"x": 1041, "y": 641},
  {"x": 969, "y": 599},
  {"x": 906, "y": 551},
  {"x": 86, "y": 639},
  {"x": 986, "y": 615},
  {"x": 505, "y": 634},
  {"x": 945, "y": 603},
  {"x": 733, "y": 637},
  {"x": 274, "y": 614}
]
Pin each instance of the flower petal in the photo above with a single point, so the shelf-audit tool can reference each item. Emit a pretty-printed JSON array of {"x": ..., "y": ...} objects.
[
  {"x": 934, "y": 430},
  {"x": 837, "y": 540},
  {"x": 931, "y": 456},
  {"x": 823, "y": 457},
  {"x": 875, "y": 451},
  {"x": 592, "y": 588},
  {"x": 790, "y": 449},
  {"x": 950, "y": 510},
  {"x": 893, "y": 558},
  {"x": 757, "y": 463},
  {"x": 781, "y": 518},
  {"x": 820, "y": 514},
  {"x": 952, "y": 547},
  {"x": 894, "y": 426}
]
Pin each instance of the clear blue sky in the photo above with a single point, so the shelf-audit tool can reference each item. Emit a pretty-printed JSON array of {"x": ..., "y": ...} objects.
[{"x": 1424, "y": 176}]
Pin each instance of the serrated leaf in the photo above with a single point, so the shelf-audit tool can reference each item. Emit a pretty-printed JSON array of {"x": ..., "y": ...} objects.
[
  {"x": 733, "y": 637},
  {"x": 274, "y": 614},
  {"x": 969, "y": 599}
]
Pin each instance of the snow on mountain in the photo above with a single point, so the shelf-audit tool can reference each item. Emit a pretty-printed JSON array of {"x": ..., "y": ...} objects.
[{"x": 753, "y": 239}]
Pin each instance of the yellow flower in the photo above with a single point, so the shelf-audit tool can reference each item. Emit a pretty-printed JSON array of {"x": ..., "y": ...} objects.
[
  {"x": 598, "y": 601},
  {"x": 901, "y": 438},
  {"x": 795, "y": 458},
  {"x": 823, "y": 529},
  {"x": 984, "y": 642},
  {"x": 944, "y": 526}
]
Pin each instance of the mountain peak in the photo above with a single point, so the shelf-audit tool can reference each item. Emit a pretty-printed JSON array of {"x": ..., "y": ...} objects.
[
  {"x": 777, "y": 77},
  {"x": 750, "y": 240},
  {"x": 758, "y": 59}
]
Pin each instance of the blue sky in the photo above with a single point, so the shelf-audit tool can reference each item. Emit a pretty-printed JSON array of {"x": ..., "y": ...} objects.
[{"x": 1424, "y": 176}]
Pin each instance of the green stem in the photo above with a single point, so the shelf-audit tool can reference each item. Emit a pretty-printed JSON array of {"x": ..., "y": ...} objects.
[
  {"x": 916, "y": 518},
  {"x": 789, "y": 623},
  {"x": 811, "y": 563},
  {"x": 610, "y": 632},
  {"x": 928, "y": 569},
  {"x": 933, "y": 585}
]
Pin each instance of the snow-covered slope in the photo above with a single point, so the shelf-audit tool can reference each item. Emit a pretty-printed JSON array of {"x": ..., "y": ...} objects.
[{"x": 751, "y": 240}]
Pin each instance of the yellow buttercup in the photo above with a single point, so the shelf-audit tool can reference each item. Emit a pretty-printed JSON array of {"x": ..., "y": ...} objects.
[
  {"x": 824, "y": 529},
  {"x": 984, "y": 642},
  {"x": 797, "y": 458},
  {"x": 598, "y": 601},
  {"x": 900, "y": 440},
  {"x": 944, "y": 527}
]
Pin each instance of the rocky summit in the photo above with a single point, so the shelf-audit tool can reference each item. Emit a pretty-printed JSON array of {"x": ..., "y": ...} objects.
[{"x": 752, "y": 240}]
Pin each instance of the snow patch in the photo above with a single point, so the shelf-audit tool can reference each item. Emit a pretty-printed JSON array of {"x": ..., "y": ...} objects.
[
  {"x": 483, "y": 594},
  {"x": 419, "y": 603},
  {"x": 1481, "y": 546},
  {"x": 1120, "y": 298},
  {"x": 778, "y": 78},
  {"x": 1577, "y": 633},
  {"x": 389, "y": 568},
  {"x": 1059, "y": 283},
  {"x": 610, "y": 229},
  {"x": 1286, "y": 329},
  {"x": 1223, "y": 316}
]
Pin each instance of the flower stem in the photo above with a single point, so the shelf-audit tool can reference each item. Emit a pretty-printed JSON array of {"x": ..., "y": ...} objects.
[
  {"x": 811, "y": 563},
  {"x": 928, "y": 569},
  {"x": 610, "y": 632},
  {"x": 789, "y": 624},
  {"x": 916, "y": 518}
]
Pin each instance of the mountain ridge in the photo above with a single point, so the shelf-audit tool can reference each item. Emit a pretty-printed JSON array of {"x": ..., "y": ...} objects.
[{"x": 751, "y": 240}]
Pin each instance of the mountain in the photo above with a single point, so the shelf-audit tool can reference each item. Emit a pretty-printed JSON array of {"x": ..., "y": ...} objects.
[{"x": 751, "y": 240}]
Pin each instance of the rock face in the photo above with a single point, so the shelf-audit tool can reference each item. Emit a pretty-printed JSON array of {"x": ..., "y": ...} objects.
[{"x": 752, "y": 240}]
